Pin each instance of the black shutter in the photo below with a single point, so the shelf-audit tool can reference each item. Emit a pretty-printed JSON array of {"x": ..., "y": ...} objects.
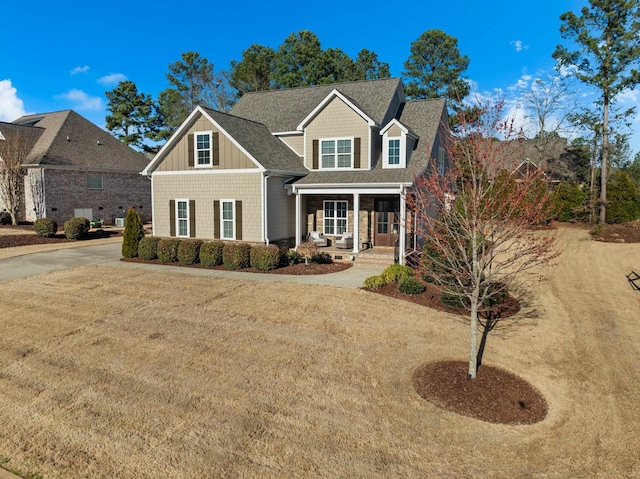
[
  {"x": 356, "y": 152},
  {"x": 216, "y": 219},
  {"x": 172, "y": 217},
  {"x": 190, "y": 148},
  {"x": 315, "y": 154},
  {"x": 192, "y": 218},
  {"x": 215, "y": 145},
  {"x": 239, "y": 220}
]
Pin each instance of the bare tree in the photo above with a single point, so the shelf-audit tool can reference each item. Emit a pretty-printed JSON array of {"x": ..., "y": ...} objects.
[
  {"x": 477, "y": 220},
  {"x": 14, "y": 150}
]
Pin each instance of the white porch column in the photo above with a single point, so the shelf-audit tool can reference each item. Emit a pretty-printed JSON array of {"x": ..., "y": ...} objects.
[
  {"x": 298, "y": 218},
  {"x": 356, "y": 222},
  {"x": 403, "y": 227}
]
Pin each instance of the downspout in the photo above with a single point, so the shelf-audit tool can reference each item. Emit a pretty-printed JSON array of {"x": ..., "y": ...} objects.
[{"x": 265, "y": 210}]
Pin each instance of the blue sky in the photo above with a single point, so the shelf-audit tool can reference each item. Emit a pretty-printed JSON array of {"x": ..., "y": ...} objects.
[{"x": 65, "y": 55}]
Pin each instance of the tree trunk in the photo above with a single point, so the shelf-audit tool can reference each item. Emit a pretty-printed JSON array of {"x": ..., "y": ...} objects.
[
  {"x": 605, "y": 155},
  {"x": 473, "y": 339}
]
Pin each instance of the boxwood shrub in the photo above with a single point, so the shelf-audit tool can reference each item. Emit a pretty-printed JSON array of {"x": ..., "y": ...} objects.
[
  {"x": 148, "y": 248},
  {"x": 189, "y": 251},
  {"x": 236, "y": 255},
  {"x": 211, "y": 254},
  {"x": 395, "y": 273},
  {"x": 411, "y": 285},
  {"x": 290, "y": 257},
  {"x": 76, "y": 228},
  {"x": 45, "y": 227},
  {"x": 265, "y": 257},
  {"x": 321, "y": 258},
  {"x": 168, "y": 250}
]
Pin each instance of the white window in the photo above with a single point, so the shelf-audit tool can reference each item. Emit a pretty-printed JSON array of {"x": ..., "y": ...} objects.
[
  {"x": 202, "y": 149},
  {"x": 441, "y": 161},
  {"x": 182, "y": 217},
  {"x": 394, "y": 151},
  {"x": 228, "y": 219},
  {"x": 94, "y": 182},
  {"x": 336, "y": 153},
  {"x": 335, "y": 217}
]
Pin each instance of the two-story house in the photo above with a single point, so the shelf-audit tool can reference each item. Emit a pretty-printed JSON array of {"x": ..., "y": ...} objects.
[{"x": 336, "y": 159}]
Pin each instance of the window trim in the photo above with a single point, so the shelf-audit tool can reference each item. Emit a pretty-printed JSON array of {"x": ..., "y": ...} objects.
[
  {"x": 335, "y": 153},
  {"x": 403, "y": 151},
  {"x": 101, "y": 181},
  {"x": 196, "y": 150},
  {"x": 233, "y": 220},
  {"x": 178, "y": 219},
  {"x": 335, "y": 218}
]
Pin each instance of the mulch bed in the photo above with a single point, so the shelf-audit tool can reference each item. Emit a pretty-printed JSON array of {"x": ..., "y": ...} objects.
[
  {"x": 13, "y": 240},
  {"x": 495, "y": 395},
  {"x": 297, "y": 269},
  {"x": 624, "y": 233}
]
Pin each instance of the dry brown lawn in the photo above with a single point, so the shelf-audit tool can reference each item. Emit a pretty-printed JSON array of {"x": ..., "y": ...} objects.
[{"x": 126, "y": 373}]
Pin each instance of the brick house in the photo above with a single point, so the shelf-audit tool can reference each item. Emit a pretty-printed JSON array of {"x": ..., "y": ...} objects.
[{"x": 75, "y": 168}]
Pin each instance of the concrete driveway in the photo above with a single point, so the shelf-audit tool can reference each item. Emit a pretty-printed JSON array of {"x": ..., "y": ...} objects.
[{"x": 109, "y": 254}]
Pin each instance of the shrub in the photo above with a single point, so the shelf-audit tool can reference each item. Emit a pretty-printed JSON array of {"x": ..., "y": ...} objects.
[
  {"x": 569, "y": 198},
  {"x": 374, "y": 282},
  {"x": 290, "y": 257},
  {"x": 499, "y": 293},
  {"x": 211, "y": 254},
  {"x": 236, "y": 255},
  {"x": 396, "y": 272},
  {"x": 265, "y": 257},
  {"x": 307, "y": 249},
  {"x": 168, "y": 250},
  {"x": 411, "y": 285},
  {"x": 5, "y": 218},
  {"x": 189, "y": 252},
  {"x": 453, "y": 300},
  {"x": 45, "y": 227},
  {"x": 148, "y": 248},
  {"x": 133, "y": 233},
  {"x": 321, "y": 258},
  {"x": 433, "y": 262},
  {"x": 622, "y": 199},
  {"x": 76, "y": 228}
]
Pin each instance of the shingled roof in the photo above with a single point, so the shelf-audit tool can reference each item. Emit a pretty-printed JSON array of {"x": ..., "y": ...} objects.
[
  {"x": 258, "y": 141},
  {"x": 283, "y": 110},
  {"x": 68, "y": 139},
  {"x": 423, "y": 117}
]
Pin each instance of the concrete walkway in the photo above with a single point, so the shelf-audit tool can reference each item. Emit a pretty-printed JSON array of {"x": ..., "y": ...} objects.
[{"x": 109, "y": 255}]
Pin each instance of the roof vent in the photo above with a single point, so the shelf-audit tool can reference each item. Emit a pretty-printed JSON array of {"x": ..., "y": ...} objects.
[
  {"x": 68, "y": 139},
  {"x": 98, "y": 142}
]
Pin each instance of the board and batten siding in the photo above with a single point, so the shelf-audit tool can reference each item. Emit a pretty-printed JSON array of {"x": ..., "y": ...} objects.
[
  {"x": 231, "y": 157},
  {"x": 204, "y": 189},
  {"x": 281, "y": 211},
  {"x": 337, "y": 120}
]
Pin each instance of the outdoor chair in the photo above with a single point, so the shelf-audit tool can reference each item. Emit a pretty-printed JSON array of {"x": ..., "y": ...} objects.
[
  {"x": 318, "y": 238},
  {"x": 345, "y": 241}
]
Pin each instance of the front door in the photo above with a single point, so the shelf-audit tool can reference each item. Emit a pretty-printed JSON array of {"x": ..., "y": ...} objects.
[{"x": 387, "y": 221}]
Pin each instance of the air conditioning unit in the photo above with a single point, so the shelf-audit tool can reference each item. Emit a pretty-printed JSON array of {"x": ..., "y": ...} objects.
[{"x": 120, "y": 222}]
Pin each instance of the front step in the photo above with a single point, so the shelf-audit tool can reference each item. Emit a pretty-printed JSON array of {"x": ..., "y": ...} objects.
[{"x": 377, "y": 257}]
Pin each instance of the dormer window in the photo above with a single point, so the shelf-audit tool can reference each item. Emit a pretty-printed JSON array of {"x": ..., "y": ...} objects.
[
  {"x": 397, "y": 144},
  {"x": 336, "y": 153},
  {"x": 394, "y": 151}
]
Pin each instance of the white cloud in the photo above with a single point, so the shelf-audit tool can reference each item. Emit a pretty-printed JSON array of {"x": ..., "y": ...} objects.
[
  {"x": 518, "y": 45},
  {"x": 11, "y": 107},
  {"x": 112, "y": 79},
  {"x": 81, "y": 100},
  {"x": 77, "y": 70}
]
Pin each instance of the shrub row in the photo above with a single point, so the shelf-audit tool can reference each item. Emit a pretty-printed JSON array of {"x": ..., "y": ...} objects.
[
  {"x": 396, "y": 273},
  {"x": 209, "y": 254}
]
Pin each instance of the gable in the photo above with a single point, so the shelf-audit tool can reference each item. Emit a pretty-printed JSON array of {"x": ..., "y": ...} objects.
[
  {"x": 337, "y": 120},
  {"x": 230, "y": 156}
]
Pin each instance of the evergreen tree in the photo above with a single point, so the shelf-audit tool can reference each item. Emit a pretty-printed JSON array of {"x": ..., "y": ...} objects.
[
  {"x": 131, "y": 115},
  {"x": 435, "y": 67},
  {"x": 607, "y": 53},
  {"x": 254, "y": 72},
  {"x": 133, "y": 233}
]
